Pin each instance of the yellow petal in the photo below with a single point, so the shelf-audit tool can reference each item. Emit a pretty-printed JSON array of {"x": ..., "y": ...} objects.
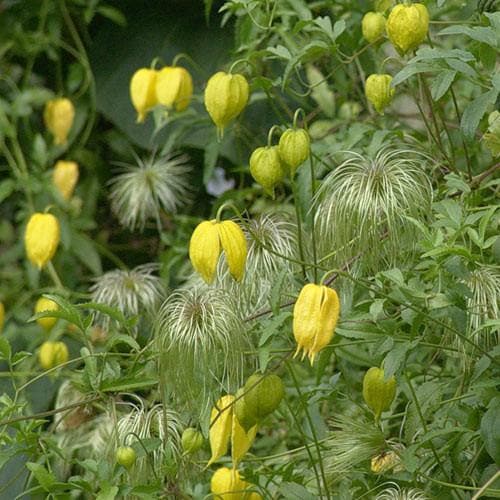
[
  {"x": 221, "y": 418},
  {"x": 43, "y": 304},
  {"x": 58, "y": 116},
  {"x": 234, "y": 245},
  {"x": 143, "y": 91},
  {"x": 241, "y": 441},
  {"x": 204, "y": 249},
  {"x": 65, "y": 177},
  {"x": 41, "y": 238}
]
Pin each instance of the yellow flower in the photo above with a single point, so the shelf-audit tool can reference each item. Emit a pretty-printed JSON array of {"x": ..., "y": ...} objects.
[
  {"x": 143, "y": 91},
  {"x": 373, "y": 26},
  {"x": 266, "y": 167},
  {"x": 221, "y": 420},
  {"x": 225, "y": 97},
  {"x": 43, "y": 304},
  {"x": 174, "y": 87},
  {"x": 58, "y": 116},
  {"x": 41, "y": 238},
  {"x": 407, "y": 26},
  {"x": 226, "y": 484},
  {"x": 384, "y": 462},
  {"x": 65, "y": 177},
  {"x": 207, "y": 240},
  {"x": 52, "y": 354},
  {"x": 315, "y": 316},
  {"x": 379, "y": 92},
  {"x": 294, "y": 148},
  {"x": 241, "y": 440}
]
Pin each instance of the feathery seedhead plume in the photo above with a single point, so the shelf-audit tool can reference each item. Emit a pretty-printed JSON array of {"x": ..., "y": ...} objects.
[
  {"x": 396, "y": 493},
  {"x": 141, "y": 191}
]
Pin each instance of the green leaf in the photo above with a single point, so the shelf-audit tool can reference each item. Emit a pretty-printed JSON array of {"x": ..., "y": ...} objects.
[
  {"x": 475, "y": 111},
  {"x": 108, "y": 492},
  {"x": 128, "y": 384},
  {"x": 395, "y": 358},
  {"x": 5, "y": 350},
  {"x": 294, "y": 491},
  {"x": 441, "y": 83},
  {"x": 412, "y": 69},
  {"x": 210, "y": 156},
  {"x": 113, "y": 14},
  {"x": 42, "y": 475},
  {"x": 478, "y": 33},
  {"x": 7, "y": 187},
  {"x": 84, "y": 249},
  {"x": 490, "y": 431}
]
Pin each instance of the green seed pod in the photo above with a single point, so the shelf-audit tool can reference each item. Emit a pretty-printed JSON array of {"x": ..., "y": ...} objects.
[
  {"x": 377, "y": 392},
  {"x": 266, "y": 167},
  {"x": 125, "y": 455},
  {"x": 373, "y": 26},
  {"x": 192, "y": 440},
  {"x": 379, "y": 92},
  {"x": 243, "y": 413},
  {"x": 407, "y": 26},
  {"x": 263, "y": 394},
  {"x": 294, "y": 148}
]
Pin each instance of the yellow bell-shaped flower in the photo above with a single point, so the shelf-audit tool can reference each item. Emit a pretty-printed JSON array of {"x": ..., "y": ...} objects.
[
  {"x": 143, "y": 91},
  {"x": 315, "y": 316},
  {"x": 378, "y": 392},
  {"x": 226, "y": 95},
  {"x": 58, "y": 116},
  {"x": 65, "y": 177},
  {"x": 52, "y": 354},
  {"x": 221, "y": 420},
  {"x": 174, "y": 87},
  {"x": 226, "y": 484},
  {"x": 207, "y": 241},
  {"x": 43, "y": 304},
  {"x": 379, "y": 92},
  {"x": 294, "y": 148},
  {"x": 41, "y": 238},
  {"x": 407, "y": 26}
]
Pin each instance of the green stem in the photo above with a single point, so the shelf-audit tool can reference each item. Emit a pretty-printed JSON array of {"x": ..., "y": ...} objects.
[
  {"x": 299, "y": 225},
  {"x": 312, "y": 429},
  {"x": 313, "y": 222},
  {"x": 55, "y": 277}
]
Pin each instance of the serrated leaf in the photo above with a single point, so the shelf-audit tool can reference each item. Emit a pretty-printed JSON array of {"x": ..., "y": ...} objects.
[
  {"x": 478, "y": 33},
  {"x": 441, "y": 83},
  {"x": 5, "y": 350},
  {"x": 475, "y": 111},
  {"x": 396, "y": 356},
  {"x": 42, "y": 475}
]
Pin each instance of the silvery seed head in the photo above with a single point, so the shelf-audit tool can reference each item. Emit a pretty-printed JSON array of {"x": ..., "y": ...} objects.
[
  {"x": 201, "y": 338},
  {"x": 363, "y": 204},
  {"x": 141, "y": 191},
  {"x": 396, "y": 493},
  {"x": 131, "y": 292}
]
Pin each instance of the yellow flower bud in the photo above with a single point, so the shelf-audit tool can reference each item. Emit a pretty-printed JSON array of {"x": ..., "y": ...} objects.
[
  {"x": 207, "y": 241},
  {"x": 226, "y": 484},
  {"x": 384, "y": 462},
  {"x": 225, "y": 97},
  {"x": 266, "y": 167},
  {"x": 52, "y": 354},
  {"x": 2, "y": 316},
  {"x": 315, "y": 316},
  {"x": 65, "y": 177},
  {"x": 407, "y": 26},
  {"x": 373, "y": 26},
  {"x": 378, "y": 393},
  {"x": 221, "y": 420},
  {"x": 41, "y": 238},
  {"x": 294, "y": 147},
  {"x": 143, "y": 91},
  {"x": 174, "y": 87},
  {"x": 43, "y": 304},
  {"x": 379, "y": 92},
  {"x": 58, "y": 116}
]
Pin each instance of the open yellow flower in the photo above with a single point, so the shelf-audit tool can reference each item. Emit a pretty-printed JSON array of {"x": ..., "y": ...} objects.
[
  {"x": 207, "y": 241},
  {"x": 315, "y": 316}
]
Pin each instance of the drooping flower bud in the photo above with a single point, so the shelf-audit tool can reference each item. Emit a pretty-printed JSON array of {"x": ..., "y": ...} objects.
[
  {"x": 226, "y": 484},
  {"x": 407, "y": 26},
  {"x": 41, "y": 238},
  {"x": 226, "y": 95},
  {"x": 143, "y": 91},
  {"x": 65, "y": 177},
  {"x": 266, "y": 167},
  {"x": 294, "y": 148},
  {"x": 52, "y": 354},
  {"x": 174, "y": 87},
  {"x": 191, "y": 440},
  {"x": 378, "y": 393},
  {"x": 221, "y": 421},
  {"x": 373, "y": 26},
  {"x": 263, "y": 394},
  {"x": 379, "y": 92},
  {"x": 126, "y": 456},
  {"x": 242, "y": 411},
  {"x": 58, "y": 116},
  {"x": 207, "y": 241},
  {"x": 315, "y": 316},
  {"x": 43, "y": 304}
]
